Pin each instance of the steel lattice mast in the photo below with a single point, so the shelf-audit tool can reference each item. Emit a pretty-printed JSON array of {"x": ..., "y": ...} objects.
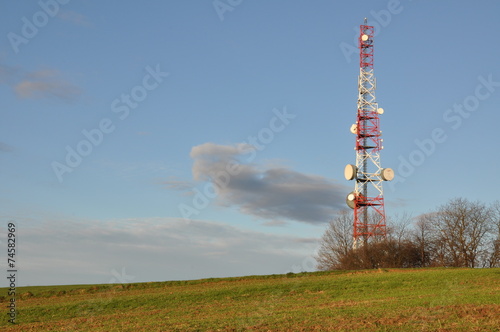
[{"x": 367, "y": 199}]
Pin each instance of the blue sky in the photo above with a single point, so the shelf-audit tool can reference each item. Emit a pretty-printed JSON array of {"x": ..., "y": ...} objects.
[{"x": 171, "y": 92}]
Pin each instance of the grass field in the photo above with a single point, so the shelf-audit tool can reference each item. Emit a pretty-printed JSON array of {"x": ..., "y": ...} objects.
[{"x": 378, "y": 300}]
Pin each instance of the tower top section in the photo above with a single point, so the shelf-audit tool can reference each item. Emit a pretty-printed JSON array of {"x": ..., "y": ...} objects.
[{"x": 365, "y": 44}]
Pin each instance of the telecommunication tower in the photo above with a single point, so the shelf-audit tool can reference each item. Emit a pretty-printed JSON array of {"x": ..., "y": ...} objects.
[{"x": 367, "y": 199}]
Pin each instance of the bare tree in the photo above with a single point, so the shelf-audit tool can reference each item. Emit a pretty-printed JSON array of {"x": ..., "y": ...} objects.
[
  {"x": 492, "y": 257},
  {"x": 423, "y": 237},
  {"x": 395, "y": 250},
  {"x": 460, "y": 233},
  {"x": 336, "y": 242},
  {"x": 399, "y": 228},
  {"x": 461, "y": 228}
]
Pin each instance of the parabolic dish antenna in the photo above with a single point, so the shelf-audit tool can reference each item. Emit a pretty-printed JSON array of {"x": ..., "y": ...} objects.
[
  {"x": 350, "y": 200},
  {"x": 387, "y": 174},
  {"x": 350, "y": 172}
]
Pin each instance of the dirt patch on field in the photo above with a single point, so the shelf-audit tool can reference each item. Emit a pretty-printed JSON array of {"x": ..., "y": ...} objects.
[{"x": 447, "y": 318}]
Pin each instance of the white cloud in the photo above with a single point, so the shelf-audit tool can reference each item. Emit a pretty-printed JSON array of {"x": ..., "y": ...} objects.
[
  {"x": 74, "y": 252},
  {"x": 46, "y": 84}
]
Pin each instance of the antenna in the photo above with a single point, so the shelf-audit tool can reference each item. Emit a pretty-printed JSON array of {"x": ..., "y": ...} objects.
[{"x": 367, "y": 199}]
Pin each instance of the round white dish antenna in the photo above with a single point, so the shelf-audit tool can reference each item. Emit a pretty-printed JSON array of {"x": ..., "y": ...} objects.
[
  {"x": 364, "y": 37},
  {"x": 380, "y": 110},
  {"x": 387, "y": 174},
  {"x": 354, "y": 129},
  {"x": 350, "y": 172}
]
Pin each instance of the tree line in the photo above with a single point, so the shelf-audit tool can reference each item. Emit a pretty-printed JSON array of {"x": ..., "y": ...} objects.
[{"x": 460, "y": 233}]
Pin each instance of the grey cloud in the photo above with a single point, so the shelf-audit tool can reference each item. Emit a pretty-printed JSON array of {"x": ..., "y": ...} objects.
[
  {"x": 74, "y": 18},
  {"x": 270, "y": 193},
  {"x": 7, "y": 74},
  {"x": 5, "y": 148},
  {"x": 129, "y": 170},
  {"x": 178, "y": 185}
]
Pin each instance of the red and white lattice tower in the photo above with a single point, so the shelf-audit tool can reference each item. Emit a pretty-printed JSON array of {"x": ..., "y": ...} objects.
[{"x": 367, "y": 199}]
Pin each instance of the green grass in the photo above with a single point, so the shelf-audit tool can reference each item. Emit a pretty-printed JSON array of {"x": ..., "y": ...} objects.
[{"x": 378, "y": 300}]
